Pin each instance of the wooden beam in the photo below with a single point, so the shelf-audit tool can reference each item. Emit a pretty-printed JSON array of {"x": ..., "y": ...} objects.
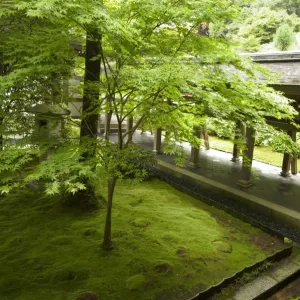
[
  {"x": 286, "y": 162},
  {"x": 157, "y": 141},
  {"x": 239, "y": 132},
  {"x": 195, "y": 151},
  {"x": 282, "y": 125},
  {"x": 294, "y": 167}
]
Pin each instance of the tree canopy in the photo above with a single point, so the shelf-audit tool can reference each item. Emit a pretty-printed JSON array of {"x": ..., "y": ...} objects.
[
  {"x": 140, "y": 59},
  {"x": 150, "y": 55}
]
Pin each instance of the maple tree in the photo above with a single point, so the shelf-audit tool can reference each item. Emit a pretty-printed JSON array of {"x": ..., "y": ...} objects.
[{"x": 140, "y": 58}]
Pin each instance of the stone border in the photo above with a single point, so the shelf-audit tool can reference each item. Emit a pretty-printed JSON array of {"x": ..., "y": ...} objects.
[
  {"x": 261, "y": 213},
  {"x": 273, "y": 280},
  {"x": 214, "y": 289}
]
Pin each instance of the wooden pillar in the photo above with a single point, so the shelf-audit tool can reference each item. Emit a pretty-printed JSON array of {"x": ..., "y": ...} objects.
[
  {"x": 157, "y": 141},
  {"x": 129, "y": 123},
  {"x": 235, "y": 153},
  {"x": 204, "y": 136},
  {"x": 245, "y": 180},
  {"x": 194, "y": 159},
  {"x": 107, "y": 120},
  {"x": 239, "y": 132},
  {"x": 206, "y": 139},
  {"x": 294, "y": 167},
  {"x": 286, "y": 162}
]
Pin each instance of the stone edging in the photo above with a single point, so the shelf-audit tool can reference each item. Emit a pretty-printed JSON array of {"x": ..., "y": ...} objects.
[{"x": 214, "y": 289}]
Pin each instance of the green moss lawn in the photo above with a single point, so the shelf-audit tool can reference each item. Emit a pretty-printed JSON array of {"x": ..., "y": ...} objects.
[
  {"x": 261, "y": 153},
  {"x": 167, "y": 244}
]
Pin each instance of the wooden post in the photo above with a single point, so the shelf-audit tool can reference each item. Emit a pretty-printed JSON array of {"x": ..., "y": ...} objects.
[
  {"x": 286, "y": 162},
  {"x": 243, "y": 132},
  {"x": 238, "y": 134},
  {"x": 204, "y": 136},
  {"x": 235, "y": 153},
  {"x": 194, "y": 159},
  {"x": 157, "y": 141},
  {"x": 247, "y": 159},
  {"x": 129, "y": 123},
  {"x": 107, "y": 120},
  {"x": 206, "y": 139},
  {"x": 294, "y": 167}
]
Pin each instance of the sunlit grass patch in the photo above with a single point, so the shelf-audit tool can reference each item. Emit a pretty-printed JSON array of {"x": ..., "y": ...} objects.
[{"x": 261, "y": 153}]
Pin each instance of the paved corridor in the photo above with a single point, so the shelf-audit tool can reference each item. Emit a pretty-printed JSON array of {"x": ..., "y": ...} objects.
[{"x": 216, "y": 165}]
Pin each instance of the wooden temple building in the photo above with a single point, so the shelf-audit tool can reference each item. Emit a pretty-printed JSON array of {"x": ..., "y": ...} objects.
[{"x": 287, "y": 64}]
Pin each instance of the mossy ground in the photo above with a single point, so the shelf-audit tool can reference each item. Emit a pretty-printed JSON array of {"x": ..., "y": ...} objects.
[{"x": 165, "y": 241}]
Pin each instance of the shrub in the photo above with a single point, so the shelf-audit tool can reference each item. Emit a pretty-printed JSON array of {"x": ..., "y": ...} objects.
[
  {"x": 262, "y": 23},
  {"x": 220, "y": 128},
  {"x": 251, "y": 43},
  {"x": 284, "y": 37},
  {"x": 262, "y": 137},
  {"x": 281, "y": 144},
  {"x": 259, "y": 26}
]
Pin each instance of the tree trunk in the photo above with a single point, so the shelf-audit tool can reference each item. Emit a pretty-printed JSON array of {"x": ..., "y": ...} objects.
[
  {"x": 90, "y": 99},
  {"x": 89, "y": 124},
  {"x": 107, "y": 244}
]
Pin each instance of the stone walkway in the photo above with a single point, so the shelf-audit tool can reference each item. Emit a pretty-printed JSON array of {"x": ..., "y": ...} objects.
[
  {"x": 216, "y": 165},
  {"x": 291, "y": 290},
  {"x": 270, "y": 281}
]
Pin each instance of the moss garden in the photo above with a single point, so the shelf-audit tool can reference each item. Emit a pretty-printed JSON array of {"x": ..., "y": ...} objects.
[{"x": 167, "y": 244}]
